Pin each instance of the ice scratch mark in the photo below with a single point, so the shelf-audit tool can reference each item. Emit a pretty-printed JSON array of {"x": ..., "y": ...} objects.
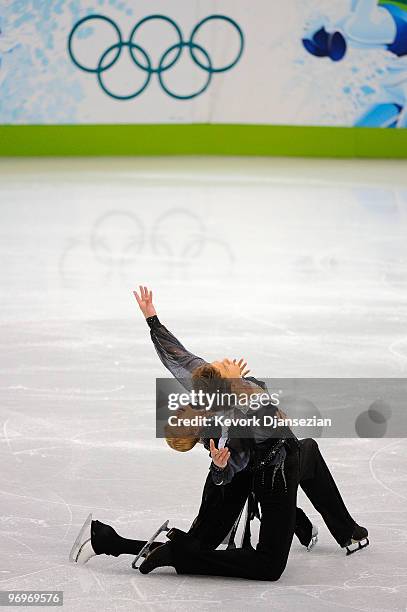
[
  {"x": 97, "y": 581},
  {"x": 45, "y": 569},
  {"x": 70, "y": 515},
  {"x": 400, "y": 355},
  {"x": 59, "y": 503},
  {"x": 18, "y": 541},
  {"x": 7, "y": 438},
  {"x": 381, "y": 483}
]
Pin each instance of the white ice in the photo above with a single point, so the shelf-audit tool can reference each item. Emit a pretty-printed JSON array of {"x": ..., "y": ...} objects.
[{"x": 299, "y": 266}]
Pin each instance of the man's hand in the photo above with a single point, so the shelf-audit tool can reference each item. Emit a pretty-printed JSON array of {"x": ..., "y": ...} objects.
[
  {"x": 145, "y": 301},
  {"x": 220, "y": 456},
  {"x": 242, "y": 366}
]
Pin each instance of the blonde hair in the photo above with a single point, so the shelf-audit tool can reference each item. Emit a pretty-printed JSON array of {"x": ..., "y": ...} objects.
[
  {"x": 181, "y": 437},
  {"x": 181, "y": 445},
  {"x": 207, "y": 375}
]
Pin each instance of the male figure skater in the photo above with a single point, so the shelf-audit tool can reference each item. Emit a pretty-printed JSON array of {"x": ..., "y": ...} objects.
[{"x": 231, "y": 471}]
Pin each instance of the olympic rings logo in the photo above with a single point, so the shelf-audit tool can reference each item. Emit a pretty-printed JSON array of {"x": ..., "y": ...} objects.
[{"x": 168, "y": 59}]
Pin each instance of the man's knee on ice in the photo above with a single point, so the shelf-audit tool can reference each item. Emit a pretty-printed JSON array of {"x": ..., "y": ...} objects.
[{"x": 269, "y": 568}]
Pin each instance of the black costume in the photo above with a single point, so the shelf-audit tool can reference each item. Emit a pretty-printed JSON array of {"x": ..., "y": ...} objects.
[
  {"x": 221, "y": 506},
  {"x": 273, "y": 486},
  {"x": 305, "y": 466}
]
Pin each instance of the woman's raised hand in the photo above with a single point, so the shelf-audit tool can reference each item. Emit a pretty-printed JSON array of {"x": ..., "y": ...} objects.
[
  {"x": 219, "y": 456},
  {"x": 145, "y": 301},
  {"x": 242, "y": 366}
]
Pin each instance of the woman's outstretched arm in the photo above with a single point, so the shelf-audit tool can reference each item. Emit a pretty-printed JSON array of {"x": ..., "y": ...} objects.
[{"x": 174, "y": 356}]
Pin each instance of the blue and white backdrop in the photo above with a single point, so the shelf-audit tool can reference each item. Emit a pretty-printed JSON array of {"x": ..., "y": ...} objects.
[{"x": 303, "y": 62}]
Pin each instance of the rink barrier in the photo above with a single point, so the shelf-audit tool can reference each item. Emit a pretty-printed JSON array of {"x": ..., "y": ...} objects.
[{"x": 201, "y": 139}]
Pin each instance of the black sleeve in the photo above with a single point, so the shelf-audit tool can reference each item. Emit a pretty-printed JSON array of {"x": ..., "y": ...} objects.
[
  {"x": 220, "y": 476},
  {"x": 174, "y": 356}
]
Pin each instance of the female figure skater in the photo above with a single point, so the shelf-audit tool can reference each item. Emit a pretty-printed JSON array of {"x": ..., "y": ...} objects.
[{"x": 231, "y": 469}]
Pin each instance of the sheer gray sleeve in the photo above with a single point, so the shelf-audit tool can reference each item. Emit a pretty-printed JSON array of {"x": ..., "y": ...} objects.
[{"x": 174, "y": 356}]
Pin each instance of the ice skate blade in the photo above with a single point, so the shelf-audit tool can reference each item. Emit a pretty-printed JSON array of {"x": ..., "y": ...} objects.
[
  {"x": 82, "y": 537},
  {"x": 314, "y": 538},
  {"x": 164, "y": 527},
  {"x": 358, "y": 545},
  {"x": 85, "y": 553}
]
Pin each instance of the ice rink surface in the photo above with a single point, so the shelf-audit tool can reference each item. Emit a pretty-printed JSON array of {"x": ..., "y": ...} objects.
[{"x": 299, "y": 266}]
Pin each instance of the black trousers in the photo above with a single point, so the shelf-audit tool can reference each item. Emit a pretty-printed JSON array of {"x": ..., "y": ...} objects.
[
  {"x": 304, "y": 466},
  {"x": 220, "y": 507}
]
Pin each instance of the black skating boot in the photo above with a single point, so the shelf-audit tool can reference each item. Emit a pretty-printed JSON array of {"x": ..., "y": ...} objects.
[
  {"x": 357, "y": 541},
  {"x": 159, "y": 557},
  {"x": 94, "y": 538}
]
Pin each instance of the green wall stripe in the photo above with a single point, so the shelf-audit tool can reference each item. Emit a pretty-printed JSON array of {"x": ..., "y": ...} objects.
[
  {"x": 402, "y": 4},
  {"x": 201, "y": 139}
]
